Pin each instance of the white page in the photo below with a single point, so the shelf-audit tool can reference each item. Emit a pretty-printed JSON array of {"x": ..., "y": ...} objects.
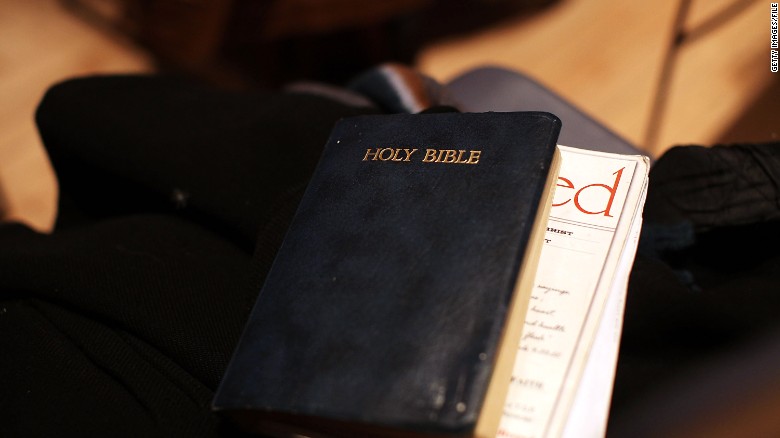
[
  {"x": 586, "y": 234},
  {"x": 589, "y": 412}
]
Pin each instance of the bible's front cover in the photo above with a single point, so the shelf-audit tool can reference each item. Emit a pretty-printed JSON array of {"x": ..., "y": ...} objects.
[{"x": 386, "y": 303}]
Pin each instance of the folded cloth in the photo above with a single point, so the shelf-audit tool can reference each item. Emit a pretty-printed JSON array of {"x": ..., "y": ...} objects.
[
  {"x": 173, "y": 200},
  {"x": 717, "y": 186},
  {"x": 704, "y": 284}
]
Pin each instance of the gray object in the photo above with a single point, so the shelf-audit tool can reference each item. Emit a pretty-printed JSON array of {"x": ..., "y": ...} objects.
[{"x": 499, "y": 89}]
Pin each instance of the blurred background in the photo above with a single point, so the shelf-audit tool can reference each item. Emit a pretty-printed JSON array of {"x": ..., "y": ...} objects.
[{"x": 656, "y": 73}]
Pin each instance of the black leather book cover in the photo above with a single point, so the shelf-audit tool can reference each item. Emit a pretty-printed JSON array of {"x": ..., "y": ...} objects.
[{"x": 387, "y": 300}]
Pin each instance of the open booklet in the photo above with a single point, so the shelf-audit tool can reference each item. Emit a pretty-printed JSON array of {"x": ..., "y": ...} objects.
[{"x": 565, "y": 365}]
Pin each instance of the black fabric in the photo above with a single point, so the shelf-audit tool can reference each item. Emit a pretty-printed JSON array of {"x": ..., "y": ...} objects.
[
  {"x": 719, "y": 186},
  {"x": 126, "y": 145},
  {"x": 705, "y": 282},
  {"x": 174, "y": 199}
]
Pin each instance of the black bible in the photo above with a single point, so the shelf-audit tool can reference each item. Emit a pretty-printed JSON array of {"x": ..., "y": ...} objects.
[{"x": 395, "y": 304}]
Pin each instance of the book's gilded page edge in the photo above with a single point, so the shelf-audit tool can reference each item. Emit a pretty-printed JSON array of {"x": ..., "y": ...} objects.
[{"x": 493, "y": 406}]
